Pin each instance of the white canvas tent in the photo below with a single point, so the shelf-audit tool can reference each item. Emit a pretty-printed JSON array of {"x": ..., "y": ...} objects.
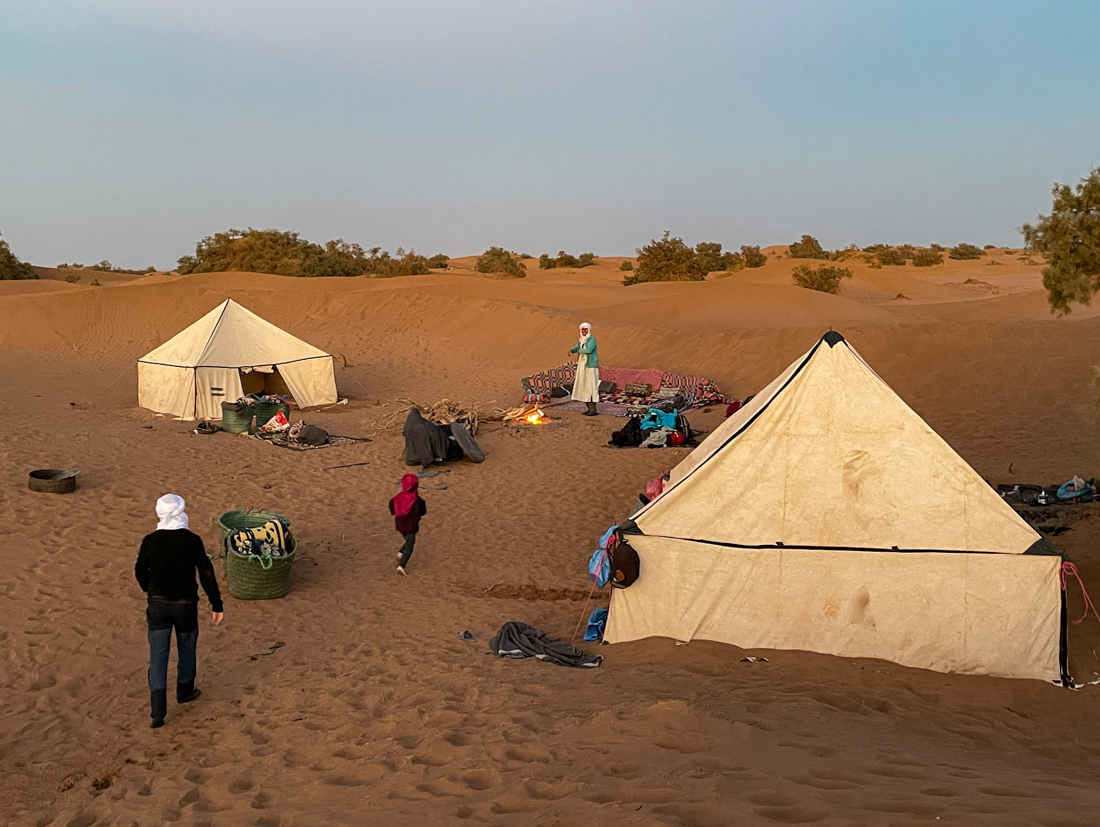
[
  {"x": 213, "y": 360},
  {"x": 825, "y": 515}
]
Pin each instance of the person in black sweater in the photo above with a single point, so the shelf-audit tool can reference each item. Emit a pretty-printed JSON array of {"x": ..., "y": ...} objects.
[
  {"x": 407, "y": 508},
  {"x": 165, "y": 570}
]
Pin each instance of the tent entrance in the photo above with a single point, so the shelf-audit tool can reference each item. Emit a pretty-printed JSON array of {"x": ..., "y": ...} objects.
[{"x": 264, "y": 380}]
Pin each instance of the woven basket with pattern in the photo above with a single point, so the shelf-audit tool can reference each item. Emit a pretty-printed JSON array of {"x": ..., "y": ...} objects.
[{"x": 245, "y": 574}]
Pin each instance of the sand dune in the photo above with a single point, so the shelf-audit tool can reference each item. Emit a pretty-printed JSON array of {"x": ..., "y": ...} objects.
[{"x": 373, "y": 711}]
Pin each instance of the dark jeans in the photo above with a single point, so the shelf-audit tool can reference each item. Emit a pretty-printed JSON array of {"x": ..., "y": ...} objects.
[
  {"x": 407, "y": 549},
  {"x": 163, "y": 617}
]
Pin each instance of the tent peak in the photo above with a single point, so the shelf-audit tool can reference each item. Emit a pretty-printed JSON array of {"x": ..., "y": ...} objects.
[{"x": 832, "y": 338}]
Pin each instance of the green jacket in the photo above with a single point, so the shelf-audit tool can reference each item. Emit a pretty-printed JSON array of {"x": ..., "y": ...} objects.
[{"x": 589, "y": 349}]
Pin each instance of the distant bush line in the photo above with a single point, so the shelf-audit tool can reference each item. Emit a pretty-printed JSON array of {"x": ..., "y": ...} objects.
[
  {"x": 285, "y": 254},
  {"x": 104, "y": 267},
  {"x": 563, "y": 259},
  {"x": 668, "y": 258},
  {"x": 11, "y": 267}
]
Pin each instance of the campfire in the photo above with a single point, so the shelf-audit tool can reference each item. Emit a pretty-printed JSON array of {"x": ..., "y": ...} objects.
[{"x": 528, "y": 414}]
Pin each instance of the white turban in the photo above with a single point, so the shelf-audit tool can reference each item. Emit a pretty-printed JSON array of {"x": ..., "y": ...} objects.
[
  {"x": 170, "y": 510},
  {"x": 584, "y": 336}
]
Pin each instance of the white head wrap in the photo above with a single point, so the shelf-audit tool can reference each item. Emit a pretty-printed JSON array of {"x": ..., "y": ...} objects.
[
  {"x": 584, "y": 336},
  {"x": 170, "y": 510}
]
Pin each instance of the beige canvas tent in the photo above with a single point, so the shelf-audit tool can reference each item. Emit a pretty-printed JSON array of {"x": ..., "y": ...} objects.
[
  {"x": 825, "y": 515},
  {"x": 227, "y": 353}
]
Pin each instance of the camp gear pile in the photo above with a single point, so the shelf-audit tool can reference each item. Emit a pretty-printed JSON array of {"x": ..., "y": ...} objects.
[
  {"x": 518, "y": 640},
  {"x": 616, "y": 384}
]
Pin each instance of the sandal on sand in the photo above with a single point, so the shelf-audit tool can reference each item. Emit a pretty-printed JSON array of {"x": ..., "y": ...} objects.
[
  {"x": 466, "y": 635},
  {"x": 402, "y": 570}
]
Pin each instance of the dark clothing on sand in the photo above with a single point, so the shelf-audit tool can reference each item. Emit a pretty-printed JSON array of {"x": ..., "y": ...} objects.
[
  {"x": 425, "y": 442},
  {"x": 407, "y": 549},
  {"x": 166, "y": 567},
  {"x": 409, "y": 523}
]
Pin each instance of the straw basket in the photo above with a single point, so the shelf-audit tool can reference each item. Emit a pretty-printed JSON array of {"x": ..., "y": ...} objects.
[{"x": 244, "y": 573}]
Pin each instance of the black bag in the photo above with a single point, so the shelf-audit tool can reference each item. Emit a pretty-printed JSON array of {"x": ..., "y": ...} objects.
[
  {"x": 312, "y": 435},
  {"x": 629, "y": 436},
  {"x": 684, "y": 427},
  {"x": 625, "y": 564}
]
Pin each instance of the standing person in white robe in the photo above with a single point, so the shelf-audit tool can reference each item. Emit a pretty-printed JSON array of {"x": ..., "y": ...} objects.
[{"x": 586, "y": 387}]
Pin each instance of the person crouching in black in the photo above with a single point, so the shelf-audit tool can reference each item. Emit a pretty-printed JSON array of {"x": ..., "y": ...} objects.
[{"x": 165, "y": 570}]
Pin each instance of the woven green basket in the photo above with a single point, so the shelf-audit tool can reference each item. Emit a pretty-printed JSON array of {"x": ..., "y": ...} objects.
[
  {"x": 237, "y": 422},
  {"x": 263, "y": 411},
  {"x": 244, "y": 574}
]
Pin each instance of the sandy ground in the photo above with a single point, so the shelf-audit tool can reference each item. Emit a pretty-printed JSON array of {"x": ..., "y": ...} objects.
[{"x": 373, "y": 712}]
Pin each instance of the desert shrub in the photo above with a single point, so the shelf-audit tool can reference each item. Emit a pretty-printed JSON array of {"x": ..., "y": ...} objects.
[
  {"x": 809, "y": 247},
  {"x": 285, "y": 254},
  {"x": 937, "y": 247},
  {"x": 438, "y": 262},
  {"x": 907, "y": 251},
  {"x": 711, "y": 257},
  {"x": 525, "y": 256},
  {"x": 927, "y": 258},
  {"x": 666, "y": 258},
  {"x": 13, "y": 268},
  {"x": 626, "y": 266},
  {"x": 499, "y": 261},
  {"x": 990, "y": 247},
  {"x": 964, "y": 252},
  {"x": 752, "y": 256},
  {"x": 825, "y": 278},
  {"x": 563, "y": 259},
  {"x": 889, "y": 257},
  {"x": 72, "y": 278},
  {"x": 1069, "y": 239},
  {"x": 874, "y": 248}
]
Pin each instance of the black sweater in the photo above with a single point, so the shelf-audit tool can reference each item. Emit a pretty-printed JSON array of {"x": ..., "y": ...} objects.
[{"x": 166, "y": 566}]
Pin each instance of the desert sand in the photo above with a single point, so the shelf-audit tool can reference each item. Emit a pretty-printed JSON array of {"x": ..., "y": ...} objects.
[{"x": 373, "y": 711}]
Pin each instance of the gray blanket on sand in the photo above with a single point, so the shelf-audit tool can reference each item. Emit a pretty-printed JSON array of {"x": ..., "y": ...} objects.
[
  {"x": 425, "y": 441},
  {"x": 518, "y": 640}
]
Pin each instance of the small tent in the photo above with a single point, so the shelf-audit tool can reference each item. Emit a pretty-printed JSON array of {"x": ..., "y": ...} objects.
[
  {"x": 227, "y": 353},
  {"x": 825, "y": 515}
]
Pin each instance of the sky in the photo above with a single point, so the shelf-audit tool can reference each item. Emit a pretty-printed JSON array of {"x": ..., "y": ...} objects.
[{"x": 130, "y": 129}]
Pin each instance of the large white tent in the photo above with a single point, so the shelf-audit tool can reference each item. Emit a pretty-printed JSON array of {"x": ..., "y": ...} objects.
[
  {"x": 226, "y": 353},
  {"x": 826, "y": 515}
]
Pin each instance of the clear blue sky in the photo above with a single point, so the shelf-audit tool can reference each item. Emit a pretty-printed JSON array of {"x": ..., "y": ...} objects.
[{"x": 129, "y": 129}]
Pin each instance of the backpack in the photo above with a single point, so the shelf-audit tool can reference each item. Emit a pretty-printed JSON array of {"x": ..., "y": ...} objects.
[{"x": 625, "y": 564}]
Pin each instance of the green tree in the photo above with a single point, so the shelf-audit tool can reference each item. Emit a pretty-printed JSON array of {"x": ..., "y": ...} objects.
[
  {"x": 825, "y": 278},
  {"x": 626, "y": 266},
  {"x": 666, "y": 258},
  {"x": 1069, "y": 238},
  {"x": 498, "y": 261},
  {"x": 809, "y": 247},
  {"x": 438, "y": 262},
  {"x": 13, "y": 268},
  {"x": 965, "y": 252},
  {"x": 752, "y": 256}
]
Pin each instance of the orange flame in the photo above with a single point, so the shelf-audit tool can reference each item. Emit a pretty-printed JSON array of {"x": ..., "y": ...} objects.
[{"x": 535, "y": 419}]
